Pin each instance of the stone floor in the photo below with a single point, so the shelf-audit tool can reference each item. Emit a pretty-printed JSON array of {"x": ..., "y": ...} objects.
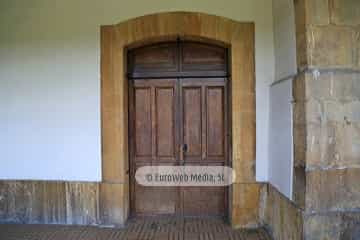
[{"x": 139, "y": 229}]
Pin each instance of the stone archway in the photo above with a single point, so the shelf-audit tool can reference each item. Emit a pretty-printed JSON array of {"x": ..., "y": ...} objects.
[{"x": 115, "y": 41}]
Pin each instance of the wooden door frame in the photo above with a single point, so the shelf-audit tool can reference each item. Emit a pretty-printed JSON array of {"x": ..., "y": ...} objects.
[{"x": 115, "y": 41}]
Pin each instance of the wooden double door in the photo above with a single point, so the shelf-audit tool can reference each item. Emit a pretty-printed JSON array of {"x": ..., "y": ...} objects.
[{"x": 177, "y": 121}]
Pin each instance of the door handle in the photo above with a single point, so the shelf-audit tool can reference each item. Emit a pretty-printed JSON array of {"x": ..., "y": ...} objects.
[
  {"x": 181, "y": 153},
  {"x": 185, "y": 148}
]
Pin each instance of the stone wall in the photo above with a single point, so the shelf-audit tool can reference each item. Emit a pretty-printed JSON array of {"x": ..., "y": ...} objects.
[
  {"x": 280, "y": 216},
  {"x": 54, "y": 202},
  {"x": 327, "y": 118}
]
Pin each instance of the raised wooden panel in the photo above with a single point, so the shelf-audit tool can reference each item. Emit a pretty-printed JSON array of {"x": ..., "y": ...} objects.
[
  {"x": 143, "y": 127},
  {"x": 204, "y": 201},
  {"x": 192, "y": 118},
  {"x": 165, "y": 122},
  {"x": 204, "y": 115},
  {"x": 154, "y": 200},
  {"x": 160, "y": 97},
  {"x": 177, "y": 59},
  {"x": 215, "y": 137},
  {"x": 155, "y": 58},
  {"x": 203, "y": 57}
]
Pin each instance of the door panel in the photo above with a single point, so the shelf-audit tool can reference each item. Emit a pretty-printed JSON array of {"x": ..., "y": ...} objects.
[
  {"x": 150, "y": 201},
  {"x": 215, "y": 136},
  {"x": 204, "y": 201},
  {"x": 153, "y": 104},
  {"x": 203, "y": 57},
  {"x": 204, "y": 129},
  {"x": 165, "y": 124},
  {"x": 192, "y": 122},
  {"x": 143, "y": 122},
  {"x": 154, "y": 59}
]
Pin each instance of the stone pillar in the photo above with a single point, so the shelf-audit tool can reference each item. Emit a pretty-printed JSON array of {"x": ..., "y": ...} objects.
[{"x": 327, "y": 118}]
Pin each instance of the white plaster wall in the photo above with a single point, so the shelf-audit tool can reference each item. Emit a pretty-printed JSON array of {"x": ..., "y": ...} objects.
[
  {"x": 284, "y": 38},
  {"x": 281, "y": 143},
  {"x": 280, "y": 130},
  {"x": 50, "y": 80}
]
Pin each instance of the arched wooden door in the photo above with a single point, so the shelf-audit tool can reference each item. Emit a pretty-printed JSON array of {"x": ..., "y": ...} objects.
[{"x": 178, "y": 116}]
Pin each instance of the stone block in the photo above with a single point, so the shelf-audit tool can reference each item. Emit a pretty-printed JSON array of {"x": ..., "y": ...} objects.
[
  {"x": 244, "y": 168},
  {"x": 350, "y": 226},
  {"x": 245, "y": 207},
  {"x": 82, "y": 201},
  {"x": 246, "y": 102},
  {"x": 321, "y": 111},
  {"x": 8, "y": 193},
  {"x": 54, "y": 202},
  {"x": 244, "y": 149},
  {"x": 313, "y": 143},
  {"x": 322, "y": 227},
  {"x": 299, "y": 186},
  {"x": 313, "y": 111},
  {"x": 350, "y": 151},
  {"x": 299, "y": 138},
  {"x": 299, "y": 112},
  {"x": 35, "y": 196},
  {"x": 300, "y": 30},
  {"x": 332, "y": 226},
  {"x": 332, "y": 190},
  {"x": 299, "y": 87},
  {"x": 281, "y": 216},
  {"x": 32, "y": 202},
  {"x": 111, "y": 202},
  {"x": 345, "y": 12},
  {"x": 21, "y": 195},
  {"x": 351, "y": 112},
  {"x": 332, "y": 86},
  {"x": 3, "y": 200},
  {"x": 317, "y": 12},
  {"x": 330, "y": 46},
  {"x": 333, "y": 145}
]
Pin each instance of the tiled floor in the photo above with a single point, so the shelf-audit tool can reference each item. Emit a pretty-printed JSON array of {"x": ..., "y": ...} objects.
[{"x": 139, "y": 229}]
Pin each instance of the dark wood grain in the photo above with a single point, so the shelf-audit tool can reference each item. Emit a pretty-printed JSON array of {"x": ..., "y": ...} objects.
[
  {"x": 159, "y": 228},
  {"x": 153, "y": 109},
  {"x": 177, "y": 59},
  {"x": 168, "y": 113}
]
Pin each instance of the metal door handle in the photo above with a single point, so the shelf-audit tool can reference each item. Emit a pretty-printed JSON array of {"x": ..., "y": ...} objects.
[
  {"x": 181, "y": 153},
  {"x": 185, "y": 147}
]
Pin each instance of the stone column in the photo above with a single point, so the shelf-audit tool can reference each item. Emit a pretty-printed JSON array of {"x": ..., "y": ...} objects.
[{"x": 327, "y": 118}]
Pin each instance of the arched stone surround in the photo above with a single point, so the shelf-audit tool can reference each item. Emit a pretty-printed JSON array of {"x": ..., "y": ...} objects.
[{"x": 115, "y": 41}]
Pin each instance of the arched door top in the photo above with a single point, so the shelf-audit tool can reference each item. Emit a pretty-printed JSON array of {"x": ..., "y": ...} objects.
[{"x": 178, "y": 59}]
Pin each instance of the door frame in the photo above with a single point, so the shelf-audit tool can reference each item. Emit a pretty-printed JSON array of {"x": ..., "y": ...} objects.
[{"x": 239, "y": 38}]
